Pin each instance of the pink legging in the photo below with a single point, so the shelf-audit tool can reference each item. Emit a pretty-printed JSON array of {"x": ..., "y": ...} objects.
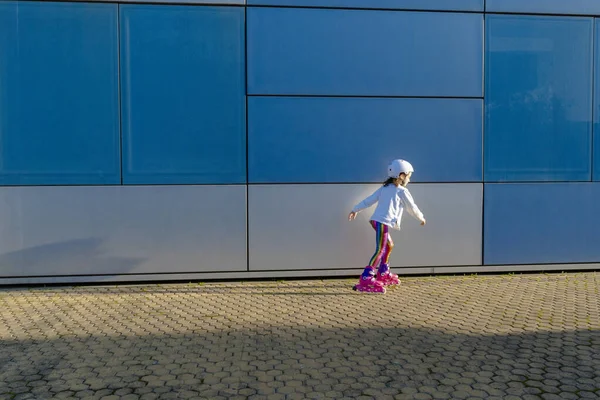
[{"x": 384, "y": 244}]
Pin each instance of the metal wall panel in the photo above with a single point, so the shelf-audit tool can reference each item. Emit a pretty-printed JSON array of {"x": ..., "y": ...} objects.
[
  {"x": 596, "y": 102},
  {"x": 300, "y": 227},
  {"x": 538, "y": 98},
  {"x": 212, "y": 2},
  {"x": 542, "y": 223},
  {"x": 184, "y": 104},
  {"x": 59, "y": 94},
  {"x": 94, "y": 230},
  {"x": 576, "y": 7},
  {"x": 295, "y": 139},
  {"x": 445, "y": 5},
  {"x": 356, "y": 52}
]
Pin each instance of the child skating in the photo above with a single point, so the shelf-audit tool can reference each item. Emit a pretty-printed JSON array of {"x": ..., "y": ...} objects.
[{"x": 391, "y": 198}]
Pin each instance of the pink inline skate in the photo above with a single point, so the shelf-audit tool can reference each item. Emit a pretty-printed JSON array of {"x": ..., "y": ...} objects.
[
  {"x": 385, "y": 277},
  {"x": 368, "y": 282}
]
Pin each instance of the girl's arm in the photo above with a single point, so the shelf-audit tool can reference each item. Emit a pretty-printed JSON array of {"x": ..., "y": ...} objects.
[
  {"x": 368, "y": 202},
  {"x": 410, "y": 205}
]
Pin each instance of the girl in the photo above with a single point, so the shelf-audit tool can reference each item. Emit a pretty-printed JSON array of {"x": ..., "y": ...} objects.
[{"x": 391, "y": 200}]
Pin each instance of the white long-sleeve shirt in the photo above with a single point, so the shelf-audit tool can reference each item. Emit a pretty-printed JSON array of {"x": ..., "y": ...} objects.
[{"x": 391, "y": 202}]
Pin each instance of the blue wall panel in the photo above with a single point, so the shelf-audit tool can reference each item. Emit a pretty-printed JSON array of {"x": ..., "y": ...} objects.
[
  {"x": 299, "y": 139},
  {"x": 596, "y": 125},
  {"x": 580, "y": 7},
  {"x": 59, "y": 104},
  {"x": 356, "y": 52},
  {"x": 538, "y": 98},
  {"x": 213, "y": 2},
  {"x": 447, "y": 5},
  {"x": 541, "y": 223},
  {"x": 183, "y": 88}
]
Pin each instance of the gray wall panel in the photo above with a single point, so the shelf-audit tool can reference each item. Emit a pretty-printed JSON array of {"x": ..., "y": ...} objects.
[
  {"x": 304, "y": 227},
  {"x": 121, "y": 230}
]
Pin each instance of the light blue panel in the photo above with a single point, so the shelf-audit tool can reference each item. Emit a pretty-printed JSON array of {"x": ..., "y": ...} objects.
[
  {"x": 577, "y": 7},
  {"x": 299, "y": 139},
  {"x": 183, "y": 88},
  {"x": 541, "y": 223},
  {"x": 59, "y": 104},
  {"x": 304, "y": 227},
  {"x": 111, "y": 230},
  {"x": 238, "y": 2},
  {"x": 357, "y": 52},
  {"x": 446, "y": 5},
  {"x": 538, "y": 98}
]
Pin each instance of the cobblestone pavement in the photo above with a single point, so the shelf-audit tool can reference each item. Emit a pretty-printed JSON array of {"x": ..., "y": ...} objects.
[{"x": 509, "y": 337}]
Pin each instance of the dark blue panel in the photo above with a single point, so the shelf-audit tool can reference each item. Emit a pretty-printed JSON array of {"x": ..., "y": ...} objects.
[
  {"x": 538, "y": 98},
  {"x": 445, "y": 5},
  {"x": 183, "y": 94},
  {"x": 541, "y": 223},
  {"x": 579, "y": 7},
  {"x": 357, "y": 52},
  {"x": 59, "y": 103},
  {"x": 596, "y": 126},
  {"x": 353, "y": 139}
]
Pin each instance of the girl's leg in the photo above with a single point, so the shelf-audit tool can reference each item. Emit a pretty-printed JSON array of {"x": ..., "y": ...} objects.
[
  {"x": 381, "y": 241},
  {"x": 368, "y": 281},
  {"x": 385, "y": 259},
  {"x": 383, "y": 273}
]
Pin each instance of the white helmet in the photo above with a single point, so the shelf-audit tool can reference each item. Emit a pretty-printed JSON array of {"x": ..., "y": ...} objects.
[{"x": 398, "y": 167}]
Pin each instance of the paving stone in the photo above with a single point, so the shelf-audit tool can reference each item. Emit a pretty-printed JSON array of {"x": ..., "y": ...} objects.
[
  {"x": 588, "y": 395},
  {"x": 551, "y": 396},
  {"x": 24, "y": 396},
  {"x": 568, "y": 395}
]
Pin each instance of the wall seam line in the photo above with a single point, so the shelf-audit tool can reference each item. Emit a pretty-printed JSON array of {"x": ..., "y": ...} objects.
[{"x": 247, "y": 139}]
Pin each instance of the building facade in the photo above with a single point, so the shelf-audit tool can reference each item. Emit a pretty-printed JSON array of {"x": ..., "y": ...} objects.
[{"x": 189, "y": 141}]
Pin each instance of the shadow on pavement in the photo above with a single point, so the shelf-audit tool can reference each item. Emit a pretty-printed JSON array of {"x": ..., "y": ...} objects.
[{"x": 304, "y": 362}]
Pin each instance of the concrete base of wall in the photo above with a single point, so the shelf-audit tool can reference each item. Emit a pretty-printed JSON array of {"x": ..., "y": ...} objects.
[{"x": 341, "y": 273}]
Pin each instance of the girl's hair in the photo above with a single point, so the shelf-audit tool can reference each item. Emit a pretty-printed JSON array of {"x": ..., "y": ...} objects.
[{"x": 388, "y": 181}]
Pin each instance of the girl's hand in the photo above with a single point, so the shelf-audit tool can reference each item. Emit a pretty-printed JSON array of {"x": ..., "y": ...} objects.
[
  {"x": 423, "y": 222},
  {"x": 351, "y": 216}
]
